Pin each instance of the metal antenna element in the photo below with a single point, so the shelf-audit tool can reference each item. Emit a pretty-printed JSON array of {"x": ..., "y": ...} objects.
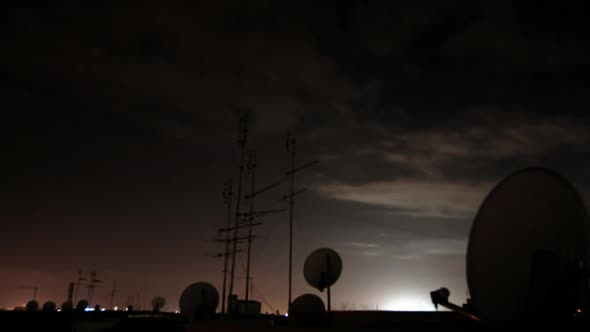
[
  {"x": 290, "y": 146},
  {"x": 227, "y": 198},
  {"x": 242, "y": 139}
]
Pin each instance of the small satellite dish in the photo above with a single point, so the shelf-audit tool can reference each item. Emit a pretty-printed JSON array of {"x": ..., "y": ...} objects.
[
  {"x": 322, "y": 268},
  {"x": 67, "y": 306},
  {"x": 199, "y": 301},
  {"x": 32, "y": 306},
  {"x": 158, "y": 303},
  {"x": 49, "y": 306},
  {"x": 527, "y": 249},
  {"x": 81, "y": 305},
  {"x": 307, "y": 309}
]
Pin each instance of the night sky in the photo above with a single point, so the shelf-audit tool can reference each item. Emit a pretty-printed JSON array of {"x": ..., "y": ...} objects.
[{"x": 119, "y": 128}]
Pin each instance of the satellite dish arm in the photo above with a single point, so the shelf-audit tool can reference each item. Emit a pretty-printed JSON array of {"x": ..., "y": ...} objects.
[{"x": 441, "y": 297}]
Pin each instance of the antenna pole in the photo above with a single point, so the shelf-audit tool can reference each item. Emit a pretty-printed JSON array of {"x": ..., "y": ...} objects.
[
  {"x": 329, "y": 302},
  {"x": 70, "y": 291},
  {"x": 92, "y": 283},
  {"x": 242, "y": 142},
  {"x": 227, "y": 198},
  {"x": 113, "y": 294},
  {"x": 35, "y": 293},
  {"x": 252, "y": 170},
  {"x": 291, "y": 148},
  {"x": 78, "y": 283}
]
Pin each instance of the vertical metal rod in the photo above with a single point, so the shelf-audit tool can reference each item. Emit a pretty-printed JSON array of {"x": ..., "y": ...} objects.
[
  {"x": 242, "y": 142},
  {"x": 252, "y": 168},
  {"x": 35, "y": 293},
  {"x": 291, "y": 145},
  {"x": 329, "y": 301},
  {"x": 228, "y": 196}
]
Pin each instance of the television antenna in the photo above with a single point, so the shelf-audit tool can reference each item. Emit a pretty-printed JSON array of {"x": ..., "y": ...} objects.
[
  {"x": 290, "y": 146},
  {"x": 242, "y": 139},
  {"x": 92, "y": 284},
  {"x": 79, "y": 283}
]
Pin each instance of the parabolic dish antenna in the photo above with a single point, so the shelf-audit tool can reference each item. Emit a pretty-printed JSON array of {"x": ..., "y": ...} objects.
[
  {"x": 81, "y": 305},
  {"x": 307, "y": 309},
  {"x": 322, "y": 268},
  {"x": 67, "y": 306},
  {"x": 158, "y": 303},
  {"x": 527, "y": 249},
  {"x": 49, "y": 306},
  {"x": 32, "y": 306},
  {"x": 199, "y": 301}
]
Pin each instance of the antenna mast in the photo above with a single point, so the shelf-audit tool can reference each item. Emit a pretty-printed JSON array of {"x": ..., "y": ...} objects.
[
  {"x": 92, "y": 284},
  {"x": 227, "y": 198},
  {"x": 290, "y": 145},
  {"x": 251, "y": 169},
  {"x": 78, "y": 283},
  {"x": 242, "y": 138},
  {"x": 113, "y": 293}
]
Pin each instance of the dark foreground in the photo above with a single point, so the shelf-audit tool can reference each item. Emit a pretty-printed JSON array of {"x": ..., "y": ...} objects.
[{"x": 342, "y": 321}]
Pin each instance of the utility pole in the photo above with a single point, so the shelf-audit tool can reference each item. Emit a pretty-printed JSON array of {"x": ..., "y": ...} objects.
[
  {"x": 290, "y": 145},
  {"x": 35, "y": 289},
  {"x": 242, "y": 138},
  {"x": 227, "y": 198},
  {"x": 251, "y": 169}
]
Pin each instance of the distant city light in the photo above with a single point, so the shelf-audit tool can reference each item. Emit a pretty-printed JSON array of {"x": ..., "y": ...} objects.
[
  {"x": 579, "y": 310},
  {"x": 89, "y": 309},
  {"x": 103, "y": 309},
  {"x": 409, "y": 303},
  {"x": 287, "y": 315},
  {"x": 116, "y": 308}
]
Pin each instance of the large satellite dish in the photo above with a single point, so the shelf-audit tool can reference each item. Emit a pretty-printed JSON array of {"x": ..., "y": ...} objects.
[
  {"x": 528, "y": 249},
  {"x": 199, "y": 301},
  {"x": 322, "y": 269}
]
